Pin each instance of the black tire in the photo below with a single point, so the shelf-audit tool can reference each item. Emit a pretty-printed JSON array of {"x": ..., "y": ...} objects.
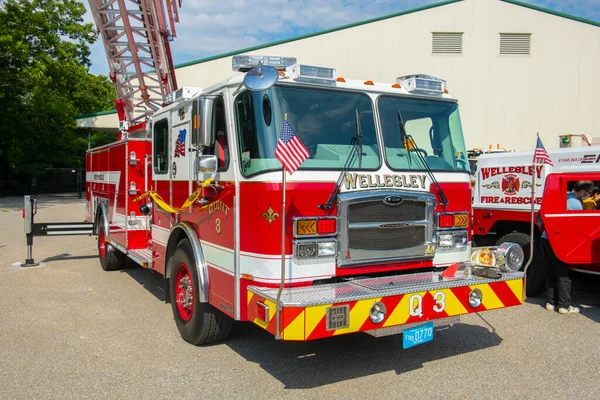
[
  {"x": 202, "y": 323},
  {"x": 535, "y": 273},
  {"x": 111, "y": 259}
]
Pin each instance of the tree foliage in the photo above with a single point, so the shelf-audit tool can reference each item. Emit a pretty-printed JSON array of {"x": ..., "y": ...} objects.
[{"x": 45, "y": 83}]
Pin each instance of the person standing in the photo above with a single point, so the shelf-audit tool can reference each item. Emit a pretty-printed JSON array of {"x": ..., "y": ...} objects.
[
  {"x": 590, "y": 201},
  {"x": 558, "y": 284}
]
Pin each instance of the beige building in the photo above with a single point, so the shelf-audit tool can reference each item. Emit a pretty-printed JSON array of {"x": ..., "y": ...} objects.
[{"x": 515, "y": 68}]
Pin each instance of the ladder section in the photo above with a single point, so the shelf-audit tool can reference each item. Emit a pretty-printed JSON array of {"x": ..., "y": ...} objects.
[{"x": 136, "y": 35}]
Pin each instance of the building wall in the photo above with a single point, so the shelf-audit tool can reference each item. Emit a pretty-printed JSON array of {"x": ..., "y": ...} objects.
[{"x": 505, "y": 99}]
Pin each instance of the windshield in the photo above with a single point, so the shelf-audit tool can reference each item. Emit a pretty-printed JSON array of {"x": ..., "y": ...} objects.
[
  {"x": 434, "y": 126},
  {"x": 324, "y": 120}
]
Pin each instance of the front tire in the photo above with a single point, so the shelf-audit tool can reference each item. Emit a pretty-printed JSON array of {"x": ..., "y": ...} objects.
[
  {"x": 198, "y": 323},
  {"x": 535, "y": 273},
  {"x": 111, "y": 259}
]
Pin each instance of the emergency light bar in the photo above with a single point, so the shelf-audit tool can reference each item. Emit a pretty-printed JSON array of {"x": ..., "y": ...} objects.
[
  {"x": 245, "y": 63},
  {"x": 422, "y": 83},
  {"x": 310, "y": 74}
]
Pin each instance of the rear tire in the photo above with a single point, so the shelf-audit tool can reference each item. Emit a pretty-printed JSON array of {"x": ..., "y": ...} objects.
[
  {"x": 111, "y": 259},
  {"x": 535, "y": 273},
  {"x": 198, "y": 323}
]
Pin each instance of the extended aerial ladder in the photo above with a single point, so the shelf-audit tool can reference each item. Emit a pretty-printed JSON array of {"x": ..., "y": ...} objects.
[{"x": 136, "y": 36}]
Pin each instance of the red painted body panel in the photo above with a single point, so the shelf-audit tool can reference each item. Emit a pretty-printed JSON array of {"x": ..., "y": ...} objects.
[
  {"x": 109, "y": 177},
  {"x": 302, "y": 199},
  {"x": 484, "y": 219},
  {"x": 573, "y": 235},
  {"x": 220, "y": 286}
]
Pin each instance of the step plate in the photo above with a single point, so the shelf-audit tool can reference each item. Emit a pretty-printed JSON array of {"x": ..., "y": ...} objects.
[
  {"x": 361, "y": 289},
  {"x": 142, "y": 256}
]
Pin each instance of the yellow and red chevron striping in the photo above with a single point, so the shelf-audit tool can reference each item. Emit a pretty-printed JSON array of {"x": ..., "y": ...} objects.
[{"x": 307, "y": 323}]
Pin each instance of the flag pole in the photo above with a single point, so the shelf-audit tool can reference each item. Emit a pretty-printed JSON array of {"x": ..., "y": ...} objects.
[
  {"x": 281, "y": 284},
  {"x": 532, "y": 227}
]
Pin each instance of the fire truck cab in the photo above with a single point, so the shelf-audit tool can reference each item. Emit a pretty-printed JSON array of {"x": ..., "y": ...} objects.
[{"x": 373, "y": 217}]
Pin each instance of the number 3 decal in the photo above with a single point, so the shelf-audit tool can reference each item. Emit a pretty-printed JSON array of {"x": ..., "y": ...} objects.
[{"x": 440, "y": 301}]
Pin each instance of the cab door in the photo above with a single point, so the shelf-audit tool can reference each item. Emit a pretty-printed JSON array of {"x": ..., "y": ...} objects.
[{"x": 573, "y": 234}]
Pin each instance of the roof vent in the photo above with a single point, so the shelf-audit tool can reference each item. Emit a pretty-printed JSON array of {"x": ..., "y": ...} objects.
[
  {"x": 446, "y": 42},
  {"x": 515, "y": 43}
]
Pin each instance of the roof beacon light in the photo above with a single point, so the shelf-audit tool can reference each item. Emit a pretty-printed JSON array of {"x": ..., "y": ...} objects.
[
  {"x": 245, "y": 63},
  {"x": 310, "y": 74},
  {"x": 422, "y": 84}
]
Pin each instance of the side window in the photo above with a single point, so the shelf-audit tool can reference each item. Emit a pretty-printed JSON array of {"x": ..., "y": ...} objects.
[
  {"x": 221, "y": 141},
  {"x": 244, "y": 108},
  {"x": 161, "y": 146}
]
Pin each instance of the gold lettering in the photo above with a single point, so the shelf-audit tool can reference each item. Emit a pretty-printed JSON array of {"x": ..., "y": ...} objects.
[
  {"x": 397, "y": 181},
  {"x": 350, "y": 180},
  {"x": 413, "y": 181},
  {"x": 405, "y": 182},
  {"x": 388, "y": 181},
  {"x": 363, "y": 181},
  {"x": 422, "y": 179},
  {"x": 371, "y": 183}
]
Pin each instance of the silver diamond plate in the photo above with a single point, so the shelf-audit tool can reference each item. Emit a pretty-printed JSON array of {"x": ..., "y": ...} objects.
[
  {"x": 394, "y": 330},
  {"x": 361, "y": 289}
]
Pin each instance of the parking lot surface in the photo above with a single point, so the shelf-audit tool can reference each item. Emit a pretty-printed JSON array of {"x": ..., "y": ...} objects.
[{"x": 70, "y": 330}]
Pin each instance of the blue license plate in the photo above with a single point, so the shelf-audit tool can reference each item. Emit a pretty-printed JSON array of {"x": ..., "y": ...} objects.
[{"x": 417, "y": 335}]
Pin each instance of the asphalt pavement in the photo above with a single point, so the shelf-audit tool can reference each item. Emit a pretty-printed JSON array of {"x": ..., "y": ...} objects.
[{"x": 69, "y": 330}]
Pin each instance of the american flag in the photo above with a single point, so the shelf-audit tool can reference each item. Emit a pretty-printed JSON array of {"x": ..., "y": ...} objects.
[
  {"x": 541, "y": 155},
  {"x": 180, "y": 144},
  {"x": 290, "y": 151}
]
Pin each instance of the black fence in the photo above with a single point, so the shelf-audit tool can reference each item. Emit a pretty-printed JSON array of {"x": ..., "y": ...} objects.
[{"x": 43, "y": 181}]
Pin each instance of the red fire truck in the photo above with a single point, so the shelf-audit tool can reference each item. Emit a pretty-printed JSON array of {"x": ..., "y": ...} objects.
[
  {"x": 502, "y": 206},
  {"x": 377, "y": 219}
]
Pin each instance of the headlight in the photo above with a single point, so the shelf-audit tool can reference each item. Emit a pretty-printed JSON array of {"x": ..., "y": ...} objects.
[
  {"x": 314, "y": 249},
  {"x": 445, "y": 240},
  {"x": 461, "y": 239},
  {"x": 326, "y": 249}
]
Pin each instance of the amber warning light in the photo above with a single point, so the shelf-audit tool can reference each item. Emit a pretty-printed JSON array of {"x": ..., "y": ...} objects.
[{"x": 315, "y": 226}]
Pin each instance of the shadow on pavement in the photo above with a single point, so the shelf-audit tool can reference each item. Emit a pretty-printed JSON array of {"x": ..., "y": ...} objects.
[
  {"x": 67, "y": 257},
  {"x": 585, "y": 294},
  {"x": 150, "y": 280},
  {"x": 303, "y": 365},
  {"x": 311, "y": 364}
]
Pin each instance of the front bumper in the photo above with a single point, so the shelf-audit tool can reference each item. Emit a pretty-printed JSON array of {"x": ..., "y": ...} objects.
[{"x": 407, "y": 299}]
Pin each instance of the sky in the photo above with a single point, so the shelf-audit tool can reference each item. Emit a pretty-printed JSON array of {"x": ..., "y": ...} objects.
[{"x": 212, "y": 27}]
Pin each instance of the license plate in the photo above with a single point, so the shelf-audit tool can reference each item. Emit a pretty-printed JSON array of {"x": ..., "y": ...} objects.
[{"x": 417, "y": 335}]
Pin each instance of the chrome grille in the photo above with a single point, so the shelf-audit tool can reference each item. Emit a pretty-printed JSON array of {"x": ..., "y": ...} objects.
[
  {"x": 371, "y": 238},
  {"x": 373, "y": 211},
  {"x": 374, "y": 231}
]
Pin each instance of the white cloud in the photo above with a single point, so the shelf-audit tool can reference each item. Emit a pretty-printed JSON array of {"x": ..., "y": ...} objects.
[{"x": 212, "y": 27}]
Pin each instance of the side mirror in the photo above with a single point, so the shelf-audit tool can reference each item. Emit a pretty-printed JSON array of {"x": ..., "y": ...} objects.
[
  {"x": 207, "y": 164},
  {"x": 261, "y": 78},
  {"x": 205, "y": 112}
]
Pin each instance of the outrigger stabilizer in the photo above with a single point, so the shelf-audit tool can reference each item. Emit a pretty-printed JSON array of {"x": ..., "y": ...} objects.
[{"x": 47, "y": 229}]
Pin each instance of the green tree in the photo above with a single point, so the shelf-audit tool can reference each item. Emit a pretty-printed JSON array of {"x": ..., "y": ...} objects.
[{"x": 45, "y": 83}]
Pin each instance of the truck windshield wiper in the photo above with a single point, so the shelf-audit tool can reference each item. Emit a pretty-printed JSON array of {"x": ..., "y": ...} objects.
[
  {"x": 355, "y": 152},
  {"x": 407, "y": 141}
]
